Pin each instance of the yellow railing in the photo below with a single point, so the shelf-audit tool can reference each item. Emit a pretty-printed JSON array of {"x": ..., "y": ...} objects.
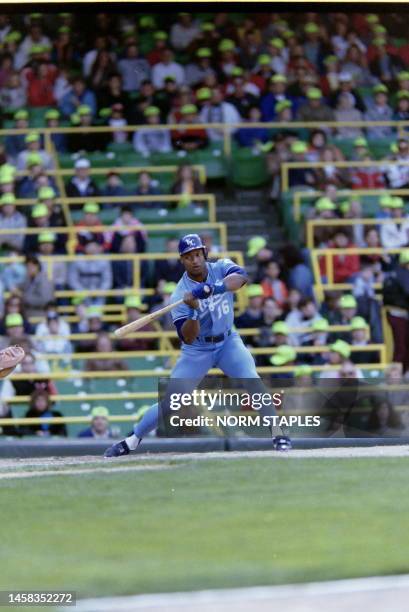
[
  {"x": 287, "y": 166},
  {"x": 313, "y": 223},
  {"x": 341, "y": 193}
]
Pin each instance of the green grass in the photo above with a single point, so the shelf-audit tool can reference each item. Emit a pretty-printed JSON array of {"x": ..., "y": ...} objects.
[{"x": 206, "y": 524}]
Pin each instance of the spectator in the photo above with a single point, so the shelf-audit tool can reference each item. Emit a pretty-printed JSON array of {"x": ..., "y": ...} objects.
[
  {"x": 78, "y": 96},
  {"x": 15, "y": 143},
  {"x": 41, "y": 408},
  {"x": 160, "y": 44},
  {"x": 360, "y": 336},
  {"x": 113, "y": 187},
  {"x": 189, "y": 139},
  {"x": 11, "y": 219},
  {"x": 53, "y": 325},
  {"x": 252, "y": 136},
  {"x": 379, "y": 111},
  {"x": 397, "y": 175},
  {"x": 113, "y": 93},
  {"x": 187, "y": 184},
  {"x": 99, "y": 427},
  {"x": 80, "y": 141},
  {"x": 46, "y": 245},
  {"x": 197, "y": 70},
  {"x": 135, "y": 310},
  {"x": 253, "y": 315},
  {"x": 101, "y": 69},
  {"x": 85, "y": 274},
  {"x": 14, "y": 272},
  {"x": 13, "y": 94},
  {"x": 396, "y": 297},
  {"x": 300, "y": 176},
  {"x": 52, "y": 117},
  {"x": 37, "y": 291},
  {"x": 40, "y": 218},
  {"x": 275, "y": 95},
  {"x": 169, "y": 270},
  {"x": 14, "y": 331},
  {"x": 167, "y": 67},
  {"x": 40, "y": 85},
  {"x": 401, "y": 110},
  {"x": 297, "y": 273},
  {"x": 217, "y": 110},
  {"x": 35, "y": 38},
  {"x": 133, "y": 68},
  {"x": 383, "y": 419},
  {"x": 33, "y": 145},
  {"x": 148, "y": 141},
  {"x": 315, "y": 109},
  {"x": 346, "y": 111},
  {"x": 396, "y": 234},
  {"x": 305, "y": 315},
  {"x": 346, "y": 85},
  {"x": 81, "y": 185},
  {"x": 183, "y": 32},
  {"x": 272, "y": 285},
  {"x": 104, "y": 344}
]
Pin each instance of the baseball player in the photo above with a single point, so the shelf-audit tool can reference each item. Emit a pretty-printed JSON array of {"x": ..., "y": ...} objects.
[{"x": 204, "y": 324}]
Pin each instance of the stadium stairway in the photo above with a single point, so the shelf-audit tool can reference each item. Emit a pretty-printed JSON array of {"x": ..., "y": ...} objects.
[{"x": 249, "y": 213}]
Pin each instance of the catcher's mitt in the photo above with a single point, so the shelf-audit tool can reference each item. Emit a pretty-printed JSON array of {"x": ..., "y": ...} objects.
[{"x": 9, "y": 359}]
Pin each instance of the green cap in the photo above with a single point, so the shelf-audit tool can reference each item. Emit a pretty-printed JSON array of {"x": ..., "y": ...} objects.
[
  {"x": 20, "y": 114},
  {"x": 330, "y": 59},
  {"x": 379, "y": 42},
  {"x": 34, "y": 159},
  {"x": 299, "y": 147},
  {"x": 207, "y": 26},
  {"x": 402, "y": 94},
  {"x": 237, "y": 71},
  {"x": 380, "y": 88},
  {"x": 204, "y": 52},
  {"x": 52, "y": 113},
  {"x": 288, "y": 34},
  {"x": 6, "y": 177},
  {"x": 385, "y": 201},
  {"x": 84, "y": 109},
  {"x": 313, "y": 93},
  {"x": 39, "y": 210},
  {"x": 93, "y": 312},
  {"x": 302, "y": 370},
  {"x": 324, "y": 203},
  {"x": 345, "y": 206},
  {"x": 14, "y": 320},
  {"x": 342, "y": 348},
  {"x": 188, "y": 109},
  {"x": 277, "y": 43},
  {"x": 75, "y": 119},
  {"x": 311, "y": 28},
  {"x": 226, "y": 45},
  {"x": 278, "y": 78},
  {"x": 147, "y": 21},
  {"x": 34, "y": 49},
  {"x": 282, "y": 105},
  {"x": 64, "y": 30},
  {"x": 204, "y": 93},
  {"x": 91, "y": 207},
  {"x": 359, "y": 323},
  {"x": 160, "y": 35},
  {"x": 32, "y": 137},
  {"x": 46, "y": 237},
  {"x": 7, "y": 198},
  {"x": 264, "y": 60},
  {"x": 133, "y": 301},
  {"x": 347, "y": 301},
  {"x": 404, "y": 257},
  {"x": 403, "y": 75},
  {"x": 396, "y": 202},
  {"x": 372, "y": 18},
  {"x": 13, "y": 36},
  {"x": 79, "y": 298},
  {"x": 361, "y": 141},
  {"x": 254, "y": 291},
  {"x": 280, "y": 327},
  {"x": 169, "y": 288},
  {"x": 283, "y": 355},
  {"x": 46, "y": 193},
  {"x": 151, "y": 111},
  {"x": 255, "y": 244},
  {"x": 379, "y": 29},
  {"x": 100, "y": 411},
  {"x": 320, "y": 325}
]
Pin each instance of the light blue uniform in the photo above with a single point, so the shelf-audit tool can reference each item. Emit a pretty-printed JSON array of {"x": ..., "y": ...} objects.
[{"x": 216, "y": 316}]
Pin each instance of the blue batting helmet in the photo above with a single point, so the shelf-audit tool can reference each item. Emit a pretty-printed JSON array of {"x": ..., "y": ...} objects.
[{"x": 190, "y": 242}]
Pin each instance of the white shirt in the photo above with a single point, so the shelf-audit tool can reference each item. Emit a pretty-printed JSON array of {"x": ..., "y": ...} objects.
[{"x": 160, "y": 71}]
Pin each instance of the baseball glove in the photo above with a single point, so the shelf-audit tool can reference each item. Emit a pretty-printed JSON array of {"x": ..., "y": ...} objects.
[{"x": 9, "y": 359}]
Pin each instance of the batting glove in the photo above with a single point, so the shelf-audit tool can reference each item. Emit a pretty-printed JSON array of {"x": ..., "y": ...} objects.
[{"x": 202, "y": 291}]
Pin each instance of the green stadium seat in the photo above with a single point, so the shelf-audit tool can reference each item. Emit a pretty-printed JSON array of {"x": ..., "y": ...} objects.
[
  {"x": 120, "y": 147},
  {"x": 37, "y": 116},
  {"x": 248, "y": 169}
]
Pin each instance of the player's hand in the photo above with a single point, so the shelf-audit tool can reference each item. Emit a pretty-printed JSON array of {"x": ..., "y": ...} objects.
[
  {"x": 202, "y": 291},
  {"x": 190, "y": 300}
]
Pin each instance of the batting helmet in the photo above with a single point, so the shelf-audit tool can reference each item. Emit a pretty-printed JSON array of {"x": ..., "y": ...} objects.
[{"x": 190, "y": 242}]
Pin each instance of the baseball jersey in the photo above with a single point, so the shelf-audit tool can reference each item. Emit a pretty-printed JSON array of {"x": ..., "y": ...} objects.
[{"x": 216, "y": 313}]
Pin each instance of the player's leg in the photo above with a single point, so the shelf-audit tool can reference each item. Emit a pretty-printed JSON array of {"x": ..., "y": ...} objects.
[{"x": 191, "y": 366}]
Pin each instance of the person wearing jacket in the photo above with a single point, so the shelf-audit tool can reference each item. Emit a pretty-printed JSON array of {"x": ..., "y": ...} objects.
[
  {"x": 41, "y": 407},
  {"x": 396, "y": 296},
  {"x": 37, "y": 291},
  {"x": 86, "y": 274}
]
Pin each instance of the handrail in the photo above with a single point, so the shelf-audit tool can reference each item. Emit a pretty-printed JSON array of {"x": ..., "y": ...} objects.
[
  {"x": 313, "y": 223},
  {"x": 299, "y": 195}
]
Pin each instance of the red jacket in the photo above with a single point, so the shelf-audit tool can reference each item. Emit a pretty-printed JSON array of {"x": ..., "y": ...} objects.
[{"x": 343, "y": 266}]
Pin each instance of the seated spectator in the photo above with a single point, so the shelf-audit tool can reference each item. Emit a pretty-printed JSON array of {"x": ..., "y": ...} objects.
[
  {"x": 298, "y": 275},
  {"x": 81, "y": 184},
  {"x": 135, "y": 310},
  {"x": 11, "y": 219},
  {"x": 15, "y": 143},
  {"x": 184, "y": 31},
  {"x": 90, "y": 322},
  {"x": 199, "y": 67},
  {"x": 318, "y": 337},
  {"x": 251, "y": 136},
  {"x": 217, "y": 110},
  {"x": 36, "y": 291},
  {"x": 385, "y": 65},
  {"x": 85, "y": 274},
  {"x": 383, "y": 419},
  {"x": 284, "y": 356},
  {"x": 189, "y": 139},
  {"x": 14, "y": 272},
  {"x": 304, "y": 316},
  {"x": 401, "y": 109},
  {"x": 53, "y": 325},
  {"x": 78, "y": 95},
  {"x": 34, "y": 178},
  {"x": 167, "y": 67},
  {"x": 344, "y": 267},
  {"x": 346, "y": 85},
  {"x": 329, "y": 173},
  {"x": 90, "y": 219},
  {"x": 379, "y": 110},
  {"x": 355, "y": 63},
  {"x": 339, "y": 355},
  {"x": 360, "y": 336},
  {"x": 32, "y": 45},
  {"x": 257, "y": 249},
  {"x": 169, "y": 270},
  {"x": 113, "y": 187},
  {"x": 396, "y": 296},
  {"x": 40, "y": 218},
  {"x": 133, "y": 68},
  {"x": 276, "y": 94},
  {"x": 346, "y": 111},
  {"x": 123, "y": 270},
  {"x": 242, "y": 99},
  {"x": 99, "y": 427},
  {"x": 33, "y": 145},
  {"x": 159, "y": 45},
  {"x": 396, "y": 234},
  {"x": 300, "y": 176},
  {"x": 13, "y": 93},
  {"x": 253, "y": 315},
  {"x": 396, "y": 175},
  {"x": 104, "y": 344},
  {"x": 366, "y": 177},
  {"x": 315, "y": 109},
  {"x": 14, "y": 331},
  {"x": 271, "y": 313},
  {"x": 81, "y": 141},
  {"x": 52, "y": 120},
  {"x": 113, "y": 94},
  {"x": 29, "y": 365},
  {"x": 272, "y": 285},
  {"x": 187, "y": 184},
  {"x": 147, "y": 186},
  {"x": 40, "y": 79},
  {"x": 46, "y": 245},
  {"x": 148, "y": 141},
  {"x": 209, "y": 242},
  {"x": 41, "y": 407}
]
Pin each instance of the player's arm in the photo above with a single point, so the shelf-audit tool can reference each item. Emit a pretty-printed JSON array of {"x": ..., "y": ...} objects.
[
  {"x": 235, "y": 281},
  {"x": 234, "y": 278},
  {"x": 189, "y": 328}
]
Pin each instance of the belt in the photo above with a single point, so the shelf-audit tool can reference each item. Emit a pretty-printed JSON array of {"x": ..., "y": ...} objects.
[{"x": 219, "y": 338}]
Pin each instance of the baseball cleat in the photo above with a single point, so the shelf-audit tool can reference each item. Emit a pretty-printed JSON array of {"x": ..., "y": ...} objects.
[
  {"x": 117, "y": 450},
  {"x": 282, "y": 443}
]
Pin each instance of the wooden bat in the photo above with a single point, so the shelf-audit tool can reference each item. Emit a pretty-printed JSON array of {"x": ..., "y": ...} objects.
[{"x": 129, "y": 328}]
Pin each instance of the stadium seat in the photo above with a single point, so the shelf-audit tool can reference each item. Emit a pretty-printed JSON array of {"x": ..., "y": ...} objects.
[{"x": 248, "y": 169}]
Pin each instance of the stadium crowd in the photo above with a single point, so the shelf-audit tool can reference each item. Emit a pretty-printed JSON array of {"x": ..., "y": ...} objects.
[{"x": 147, "y": 70}]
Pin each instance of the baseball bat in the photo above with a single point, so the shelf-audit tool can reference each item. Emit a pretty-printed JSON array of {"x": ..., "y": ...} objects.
[{"x": 129, "y": 328}]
